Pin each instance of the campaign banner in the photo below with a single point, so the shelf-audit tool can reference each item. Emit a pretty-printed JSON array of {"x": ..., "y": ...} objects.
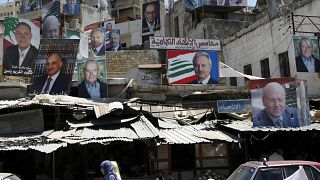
[
  {"x": 51, "y": 19},
  {"x": 20, "y": 47},
  {"x": 92, "y": 75},
  {"x": 192, "y": 67},
  {"x": 184, "y": 43},
  {"x": 83, "y": 46},
  {"x": 54, "y": 66},
  {"x": 234, "y": 106},
  {"x": 27, "y": 6},
  {"x": 275, "y": 103},
  {"x": 307, "y": 54},
  {"x": 151, "y": 16},
  {"x": 71, "y": 7},
  {"x": 192, "y": 4},
  {"x": 113, "y": 40},
  {"x": 240, "y": 3}
]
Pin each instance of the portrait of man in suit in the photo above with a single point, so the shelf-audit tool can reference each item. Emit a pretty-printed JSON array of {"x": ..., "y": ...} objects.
[
  {"x": 114, "y": 40},
  {"x": 275, "y": 112},
  {"x": 27, "y": 6},
  {"x": 91, "y": 86},
  {"x": 54, "y": 81},
  {"x": 71, "y": 7},
  {"x": 202, "y": 67},
  {"x": 51, "y": 27},
  {"x": 97, "y": 42},
  {"x": 24, "y": 53},
  {"x": 151, "y": 19},
  {"x": 305, "y": 61}
]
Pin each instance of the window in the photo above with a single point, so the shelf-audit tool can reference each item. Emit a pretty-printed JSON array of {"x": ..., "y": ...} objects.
[
  {"x": 312, "y": 172},
  {"x": 242, "y": 173},
  {"x": 265, "y": 70},
  {"x": 284, "y": 64},
  {"x": 233, "y": 81},
  {"x": 290, "y": 170},
  {"x": 176, "y": 26},
  {"x": 247, "y": 69},
  {"x": 269, "y": 174}
]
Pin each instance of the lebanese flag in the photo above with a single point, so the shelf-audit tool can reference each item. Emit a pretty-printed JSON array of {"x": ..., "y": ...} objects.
[{"x": 180, "y": 66}]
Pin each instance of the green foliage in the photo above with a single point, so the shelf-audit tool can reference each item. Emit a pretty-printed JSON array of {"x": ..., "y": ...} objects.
[{"x": 10, "y": 26}]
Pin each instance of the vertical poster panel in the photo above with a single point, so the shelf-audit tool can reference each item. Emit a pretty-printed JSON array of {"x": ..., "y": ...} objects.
[
  {"x": 54, "y": 66},
  {"x": 303, "y": 102},
  {"x": 28, "y": 6},
  {"x": 50, "y": 19},
  {"x": 192, "y": 4},
  {"x": 274, "y": 103},
  {"x": 307, "y": 54},
  {"x": 92, "y": 75},
  {"x": 71, "y": 7},
  {"x": 193, "y": 67},
  {"x": 20, "y": 47},
  {"x": 83, "y": 46},
  {"x": 97, "y": 42},
  {"x": 151, "y": 16},
  {"x": 114, "y": 40}
]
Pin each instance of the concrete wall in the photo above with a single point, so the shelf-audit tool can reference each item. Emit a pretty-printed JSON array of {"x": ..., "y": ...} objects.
[
  {"x": 267, "y": 39},
  {"x": 124, "y": 64},
  {"x": 210, "y": 25}
]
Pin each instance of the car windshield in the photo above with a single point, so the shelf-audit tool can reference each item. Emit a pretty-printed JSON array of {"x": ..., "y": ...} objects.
[
  {"x": 12, "y": 177},
  {"x": 242, "y": 173}
]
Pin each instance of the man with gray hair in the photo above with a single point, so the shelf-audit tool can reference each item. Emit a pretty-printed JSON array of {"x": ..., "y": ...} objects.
[
  {"x": 92, "y": 87},
  {"x": 202, "y": 67},
  {"x": 275, "y": 112},
  {"x": 305, "y": 61},
  {"x": 51, "y": 26}
]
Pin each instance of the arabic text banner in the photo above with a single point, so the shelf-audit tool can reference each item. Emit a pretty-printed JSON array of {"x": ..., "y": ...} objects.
[
  {"x": 184, "y": 43},
  {"x": 192, "y": 67}
]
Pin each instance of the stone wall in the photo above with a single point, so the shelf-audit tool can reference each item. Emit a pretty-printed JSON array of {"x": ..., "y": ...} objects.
[{"x": 124, "y": 64}]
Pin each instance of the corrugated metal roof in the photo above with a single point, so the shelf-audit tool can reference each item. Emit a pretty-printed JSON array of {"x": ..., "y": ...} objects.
[
  {"x": 194, "y": 134},
  {"x": 99, "y": 109},
  {"x": 248, "y": 126},
  {"x": 144, "y": 128}
]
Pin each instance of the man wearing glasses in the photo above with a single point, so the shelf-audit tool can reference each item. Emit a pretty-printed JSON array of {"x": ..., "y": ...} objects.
[
  {"x": 305, "y": 61},
  {"x": 22, "y": 54},
  {"x": 55, "y": 81}
]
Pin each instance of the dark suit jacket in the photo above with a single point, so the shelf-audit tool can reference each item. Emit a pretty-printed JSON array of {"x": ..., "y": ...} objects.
[
  {"x": 302, "y": 68},
  {"x": 110, "y": 48},
  {"x": 102, "y": 51},
  {"x": 76, "y": 9},
  {"x": 82, "y": 90},
  {"x": 32, "y": 7},
  {"x": 262, "y": 119},
  {"x": 145, "y": 27},
  {"x": 211, "y": 81},
  {"x": 61, "y": 84},
  {"x": 11, "y": 57}
]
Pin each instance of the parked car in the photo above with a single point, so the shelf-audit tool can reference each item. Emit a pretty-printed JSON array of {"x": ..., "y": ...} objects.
[
  {"x": 274, "y": 170},
  {"x": 8, "y": 176}
]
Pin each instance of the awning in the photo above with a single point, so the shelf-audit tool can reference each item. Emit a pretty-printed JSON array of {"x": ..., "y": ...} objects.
[
  {"x": 247, "y": 126},
  {"x": 194, "y": 134},
  {"x": 227, "y": 71}
]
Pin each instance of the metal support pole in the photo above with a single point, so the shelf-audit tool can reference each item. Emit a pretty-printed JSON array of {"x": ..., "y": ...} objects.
[{"x": 292, "y": 18}]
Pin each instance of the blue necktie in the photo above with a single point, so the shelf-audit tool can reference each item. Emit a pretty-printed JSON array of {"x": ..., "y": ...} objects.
[
  {"x": 278, "y": 123},
  {"x": 46, "y": 89}
]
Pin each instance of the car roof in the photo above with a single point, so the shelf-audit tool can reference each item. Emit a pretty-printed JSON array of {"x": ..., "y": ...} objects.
[
  {"x": 256, "y": 164},
  {"x": 2, "y": 175}
]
